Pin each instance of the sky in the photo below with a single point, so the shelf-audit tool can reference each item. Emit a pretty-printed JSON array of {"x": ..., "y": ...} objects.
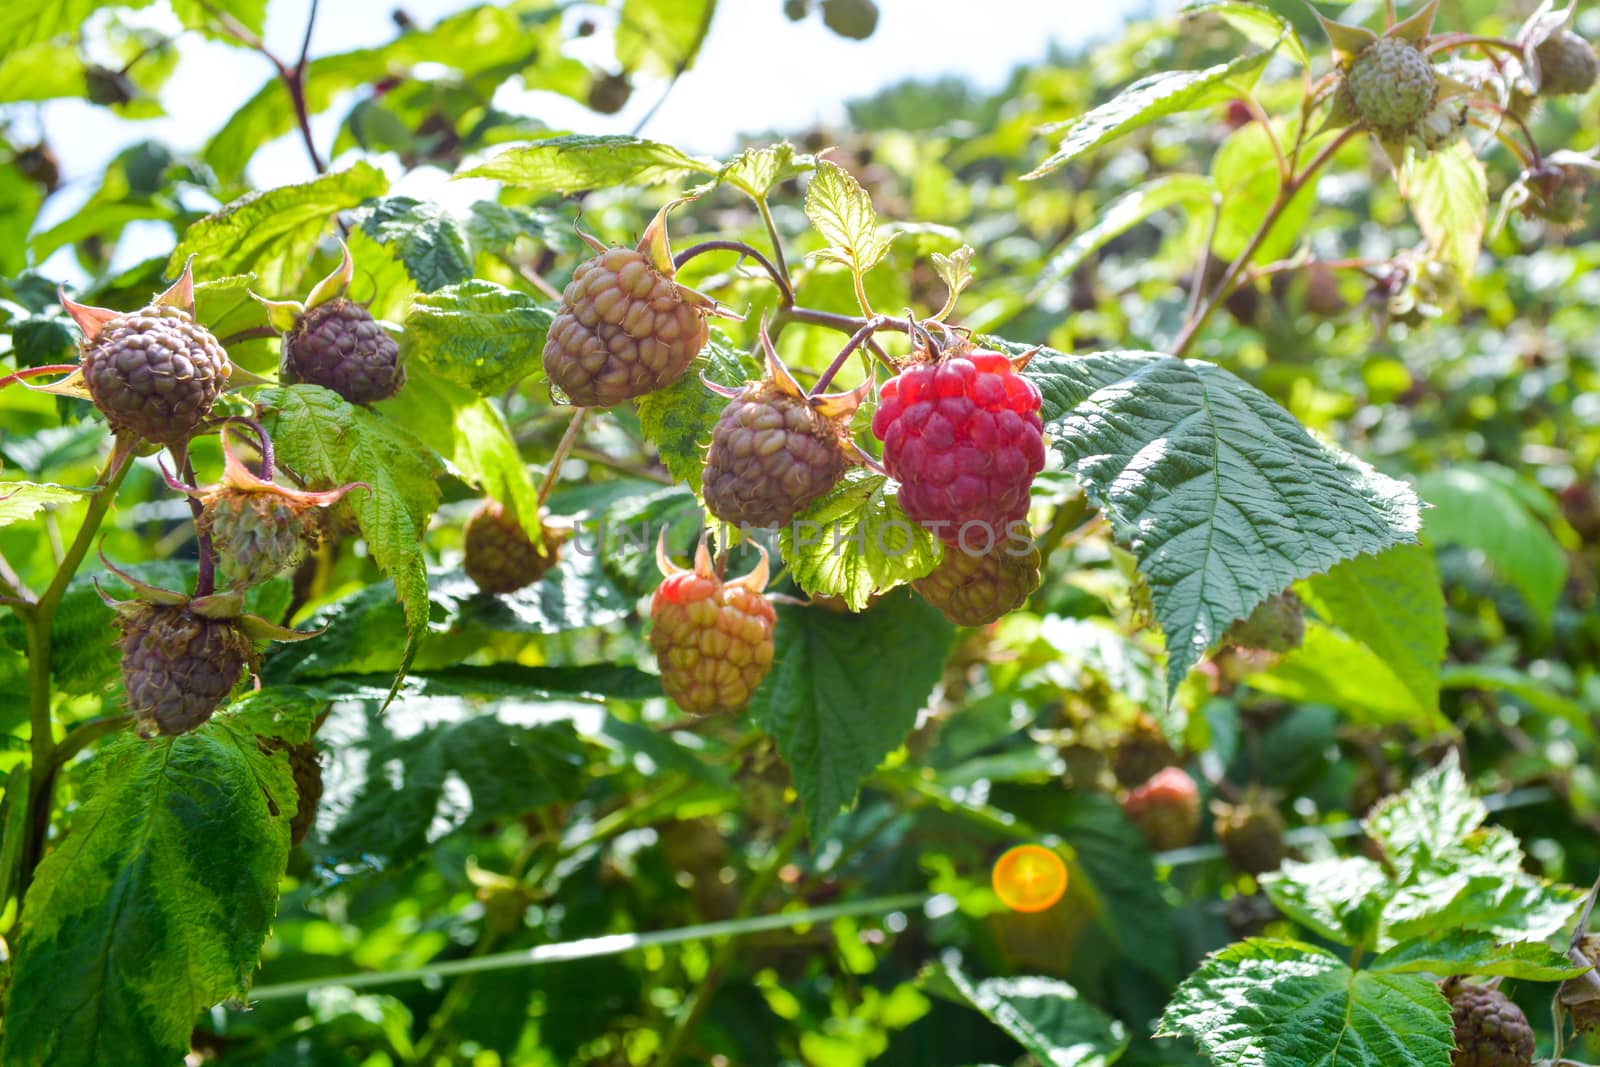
[{"x": 756, "y": 71}]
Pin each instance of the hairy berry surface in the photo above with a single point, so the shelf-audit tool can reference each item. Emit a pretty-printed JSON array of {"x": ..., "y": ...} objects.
[
  {"x": 178, "y": 667},
  {"x": 340, "y": 345},
  {"x": 771, "y": 455}
]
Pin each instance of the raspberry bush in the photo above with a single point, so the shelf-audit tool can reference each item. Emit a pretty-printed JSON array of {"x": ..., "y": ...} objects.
[{"x": 1181, "y": 460}]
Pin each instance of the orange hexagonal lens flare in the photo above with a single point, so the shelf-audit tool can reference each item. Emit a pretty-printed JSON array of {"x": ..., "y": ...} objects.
[{"x": 1030, "y": 878}]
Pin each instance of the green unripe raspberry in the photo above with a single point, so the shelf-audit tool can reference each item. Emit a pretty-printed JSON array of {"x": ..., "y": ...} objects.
[
  {"x": 1276, "y": 625},
  {"x": 256, "y": 536},
  {"x": 500, "y": 556},
  {"x": 1251, "y": 834},
  {"x": 1392, "y": 85},
  {"x": 974, "y": 590},
  {"x": 1567, "y": 64}
]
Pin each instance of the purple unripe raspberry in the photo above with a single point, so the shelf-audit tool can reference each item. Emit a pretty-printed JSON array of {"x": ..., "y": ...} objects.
[
  {"x": 1490, "y": 1030},
  {"x": 775, "y": 449},
  {"x": 153, "y": 373},
  {"x": 1567, "y": 64},
  {"x": 500, "y": 557},
  {"x": 178, "y": 667},
  {"x": 340, "y": 346}
]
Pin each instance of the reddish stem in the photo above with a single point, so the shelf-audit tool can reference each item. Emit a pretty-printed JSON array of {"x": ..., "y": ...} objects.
[{"x": 34, "y": 372}]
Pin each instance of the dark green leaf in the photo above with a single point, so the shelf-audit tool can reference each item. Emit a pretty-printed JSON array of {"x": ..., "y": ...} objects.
[
  {"x": 844, "y": 692},
  {"x": 156, "y": 903},
  {"x": 1224, "y": 498},
  {"x": 478, "y": 334}
]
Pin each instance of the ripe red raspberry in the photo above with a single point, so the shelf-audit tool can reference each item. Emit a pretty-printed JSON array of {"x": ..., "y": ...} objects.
[
  {"x": 1166, "y": 809},
  {"x": 1490, "y": 1030},
  {"x": 1250, "y": 833},
  {"x": 153, "y": 373},
  {"x": 975, "y": 589},
  {"x": 500, "y": 556},
  {"x": 712, "y": 638},
  {"x": 625, "y": 328},
  {"x": 775, "y": 449},
  {"x": 963, "y": 437}
]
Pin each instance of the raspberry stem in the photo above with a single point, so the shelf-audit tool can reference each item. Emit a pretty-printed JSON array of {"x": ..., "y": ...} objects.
[
  {"x": 552, "y": 473},
  {"x": 205, "y": 580},
  {"x": 1286, "y": 194},
  {"x": 857, "y": 339},
  {"x": 38, "y": 621},
  {"x": 745, "y": 251}
]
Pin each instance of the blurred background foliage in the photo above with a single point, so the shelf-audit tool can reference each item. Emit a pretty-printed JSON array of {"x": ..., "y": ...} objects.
[{"x": 535, "y": 811}]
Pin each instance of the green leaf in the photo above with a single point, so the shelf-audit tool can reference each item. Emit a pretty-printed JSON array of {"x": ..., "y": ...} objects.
[
  {"x": 1339, "y": 899},
  {"x": 478, "y": 334},
  {"x": 842, "y": 213},
  {"x": 755, "y": 171},
  {"x": 845, "y": 691},
  {"x": 24, "y": 22},
  {"x": 273, "y": 232},
  {"x": 1245, "y": 170},
  {"x": 251, "y": 14},
  {"x": 679, "y": 419},
  {"x": 1537, "y": 693},
  {"x": 855, "y": 542},
  {"x": 20, "y": 501},
  {"x": 1045, "y": 1016},
  {"x": 1265, "y": 1003},
  {"x": 1425, "y": 828},
  {"x": 1393, "y": 604},
  {"x": 1224, "y": 498},
  {"x": 418, "y": 781},
  {"x": 1468, "y": 952},
  {"x": 155, "y": 904},
  {"x": 41, "y": 71},
  {"x": 1449, "y": 193},
  {"x": 329, "y": 442},
  {"x": 1124, "y": 214},
  {"x": 662, "y": 37},
  {"x": 576, "y": 162},
  {"x": 469, "y": 431},
  {"x": 1260, "y": 25},
  {"x": 1148, "y": 99},
  {"x": 1483, "y": 508},
  {"x": 1334, "y": 668},
  {"x": 430, "y": 243}
]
